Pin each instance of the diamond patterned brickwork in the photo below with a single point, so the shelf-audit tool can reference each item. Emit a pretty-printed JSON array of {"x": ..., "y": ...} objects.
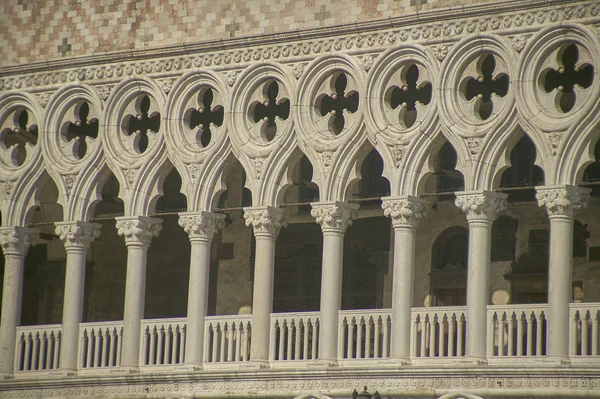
[{"x": 33, "y": 31}]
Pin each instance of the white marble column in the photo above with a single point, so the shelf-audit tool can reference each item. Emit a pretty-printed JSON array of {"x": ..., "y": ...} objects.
[
  {"x": 266, "y": 223},
  {"x": 15, "y": 243},
  {"x": 201, "y": 227},
  {"x": 481, "y": 208},
  {"x": 138, "y": 232},
  {"x": 334, "y": 218},
  {"x": 405, "y": 212},
  {"x": 77, "y": 237},
  {"x": 561, "y": 204}
]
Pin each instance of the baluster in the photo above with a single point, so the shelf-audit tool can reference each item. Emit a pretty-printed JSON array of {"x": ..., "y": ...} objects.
[
  {"x": 387, "y": 331},
  {"x": 240, "y": 328},
  {"x": 113, "y": 347},
  {"x": 246, "y": 341},
  {"x": 584, "y": 333},
  {"x": 501, "y": 326},
  {"x": 353, "y": 338},
  {"x": 511, "y": 334},
  {"x": 368, "y": 338},
  {"x": 175, "y": 353},
  {"x": 594, "y": 316},
  {"x": 119, "y": 345},
  {"x": 298, "y": 338},
  {"x": 414, "y": 337},
  {"x": 153, "y": 335},
  {"x": 50, "y": 351},
  {"x": 273, "y": 340},
  {"x": 377, "y": 349},
  {"x": 348, "y": 337},
  {"x": 146, "y": 346},
  {"x": 538, "y": 348},
  {"x": 161, "y": 355},
  {"x": 423, "y": 324},
  {"x": 433, "y": 322},
  {"x": 105, "y": 346},
  {"x": 289, "y": 342},
  {"x": 451, "y": 331},
  {"x": 83, "y": 350},
  {"x": 359, "y": 338},
  {"x": 230, "y": 336},
  {"x": 36, "y": 351},
  {"x": 573, "y": 334},
  {"x": 520, "y": 332},
  {"x": 306, "y": 333},
  {"x": 41, "y": 350},
  {"x": 28, "y": 347},
  {"x": 97, "y": 347},
  {"x": 530, "y": 322},
  {"x": 442, "y": 336},
  {"x": 183, "y": 332},
  {"x": 214, "y": 343},
  {"x": 282, "y": 326},
  {"x": 460, "y": 335},
  {"x": 168, "y": 348},
  {"x": 224, "y": 331},
  {"x": 20, "y": 352},
  {"x": 90, "y": 348},
  {"x": 315, "y": 339}
]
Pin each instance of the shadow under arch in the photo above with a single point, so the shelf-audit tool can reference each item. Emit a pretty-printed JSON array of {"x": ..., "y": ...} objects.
[
  {"x": 370, "y": 185},
  {"x": 445, "y": 179},
  {"x": 448, "y": 276},
  {"x": 591, "y": 173},
  {"x": 523, "y": 175}
]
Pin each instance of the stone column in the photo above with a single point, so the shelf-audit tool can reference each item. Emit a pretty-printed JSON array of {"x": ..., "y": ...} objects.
[
  {"x": 15, "y": 243},
  {"x": 482, "y": 208},
  {"x": 561, "y": 204},
  {"x": 405, "y": 212},
  {"x": 201, "y": 227},
  {"x": 266, "y": 223},
  {"x": 77, "y": 237},
  {"x": 138, "y": 232},
  {"x": 334, "y": 218}
]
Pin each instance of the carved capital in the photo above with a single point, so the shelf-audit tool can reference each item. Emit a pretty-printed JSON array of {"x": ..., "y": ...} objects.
[
  {"x": 334, "y": 216},
  {"x": 405, "y": 212},
  {"x": 77, "y": 234},
  {"x": 562, "y": 200},
  {"x": 266, "y": 221},
  {"x": 16, "y": 241},
  {"x": 481, "y": 206},
  {"x": 201, "y": 225},
  {"x": 138, "y": 230}
]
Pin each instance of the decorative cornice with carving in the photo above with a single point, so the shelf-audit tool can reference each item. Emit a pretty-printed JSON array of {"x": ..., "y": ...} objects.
[
  {"x": 405, "y": 212},
  {"x": 334, "y": 217},
  {"x": 201, "y": 225},
  {"x": 562, "y": 200},
  {"x": 77, "y": 234},
  {"x": 265, "y": 221},
  {"x": 15, "y": 241},
  {"x": 138, "y": 230},
  {"x": 481, "y": 206}
]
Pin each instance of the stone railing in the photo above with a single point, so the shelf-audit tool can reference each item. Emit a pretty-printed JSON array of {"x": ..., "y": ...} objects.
[
  {"x": 584, "y": 329},
  {"x": 38, "y": 347},
  {"x": 364, "y": 334},
  {"x": 516, "y": 330},
  {"x": 163, "y": 341},
  {"x": 438, "y": 332},
  {"x": 227, "y": 339},
  {"x": 294, "y": 336},
  {"x": 100, "y": 344}
]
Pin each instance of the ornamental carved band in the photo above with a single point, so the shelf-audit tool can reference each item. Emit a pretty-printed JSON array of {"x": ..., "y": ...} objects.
[
  {"x": 202, "y": 225},
  {"x": 139, "y": 230},
  {"x": 405, "y": 212},
  {"x": 483, "y": 206},
  {"x": 334, "y": 216},
  {"x": 77, "y": 234},
  {"x": 16, "y": 241},
  {"x": 562, "y": 201},
  {"x": 266, "y": 222}
]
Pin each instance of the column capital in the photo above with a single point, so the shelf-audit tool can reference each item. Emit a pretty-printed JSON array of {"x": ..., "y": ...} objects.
[
  {"x": 77, "y": 234},
  {"x": 334, "y": 216},
  {"x": 138, "y": 230},
  {"x": 481, "y": 206},
  {"x": 406, "y": 211},
  {"x": 201, "y": 226},
  {"x": 16, "y": 241},
  {"x": 563, "y": 200},
  {"x": 266, "y": 221}
]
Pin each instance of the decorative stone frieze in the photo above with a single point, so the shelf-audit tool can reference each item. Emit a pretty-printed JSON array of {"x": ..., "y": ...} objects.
[
  {"x": 405, "y": 212},
  {"x": 201, "y": 225},
  {"x": 265, "y": 221},
  {"x": 15, "y": 241},
  {"x": 334, "y": 216},
  {"x": 481, "y": 206},
  {"x": 562, "y": 200},
  {"x": 77, "y": 234},
  {"x": 138, "y": 230}
]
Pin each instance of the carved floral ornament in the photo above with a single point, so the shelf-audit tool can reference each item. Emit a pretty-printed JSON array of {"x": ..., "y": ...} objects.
[
  {"x": 138, "y": 230},
  {"x": 405, "y": 212},
  {"x": 17, "y": 240},
  {"x": 77, "y": 234},
  {"x": 266, "y": 222},
  {"x": 334, "y": 217},
  {"x": 562, "y": 200},
  {"x": 202, "y": 225},
  {"x": 481, "y": 206}
]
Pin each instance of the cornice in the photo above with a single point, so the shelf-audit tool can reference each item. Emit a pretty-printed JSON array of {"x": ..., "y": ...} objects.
[{"x": 432, "y": 27}]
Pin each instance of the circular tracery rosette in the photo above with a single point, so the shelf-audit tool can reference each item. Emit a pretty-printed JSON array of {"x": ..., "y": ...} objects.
[
  {"x": 20, "y": 119},
  {"x": 134, "y": 127},
  {"x": 476, "y": 85},
  {"x": 72, "y": 128},
  {"x": 559, "y": 71},
  {"x": 400, "y": 95}
]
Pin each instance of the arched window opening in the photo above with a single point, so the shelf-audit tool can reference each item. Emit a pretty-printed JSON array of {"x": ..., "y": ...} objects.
[
  {"x": 372, "y": 184},
  {"x": 580, "y": 236},
  {"x": 448, "y": 277},
  {"x": 302, "y": 190},
  {"x": 172, "y": 199},
  {"x": 504, "y": 239},
  {"x": 111, "y": 204},
  {"x": 446, "y": 179},
  {"x": 523, "y": 174},
  {"x": 591, "y": 175}
]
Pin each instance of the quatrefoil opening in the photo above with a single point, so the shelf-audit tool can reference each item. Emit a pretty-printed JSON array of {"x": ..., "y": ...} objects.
[
  {"x": 338, "y": 99},
  {"x": 566, "y": 78},
  {"x": 406, "y": 101},
  {"x": 80, "y": 129},
  {"x": 204, "y": 118},
  {"x": 268, "y": 108},
  {"x": 18, "y": 135},
  {"x": 141, "y": 123},
  {"x": 484, "y": 86}
]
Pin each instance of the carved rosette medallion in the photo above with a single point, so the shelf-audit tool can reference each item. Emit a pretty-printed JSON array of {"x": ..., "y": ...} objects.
[
  {"x": 15, "y": 241},
  {"x": 334, "y": 216},
  {"x": 201, "y": 225},
  {"x": 405, "y": 212},
  {"x": 562, "y": 200},
  {"x": 481, "y": 206},
  {"x": 77, "y": 234},
  {"x": 265, "y": 221},
  {"x": 138, "y": 230}
]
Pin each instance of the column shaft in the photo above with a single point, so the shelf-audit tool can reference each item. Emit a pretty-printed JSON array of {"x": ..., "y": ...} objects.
[
  {"x": 12, "y": 292},
  {"x": 72, "y": 307},
  {"x": 331, "y": 294},
  {"x": 135, "y": 296}
]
